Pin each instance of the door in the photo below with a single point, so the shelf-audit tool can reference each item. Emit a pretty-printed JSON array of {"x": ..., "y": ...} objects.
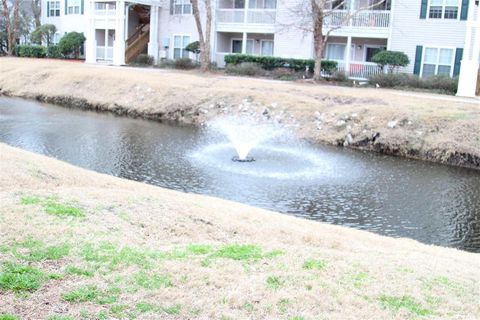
[{"x": 237, "y": 46}]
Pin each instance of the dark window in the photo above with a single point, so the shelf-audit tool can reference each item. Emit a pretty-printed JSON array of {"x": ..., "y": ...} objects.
[{"x": 371, "y": 52}]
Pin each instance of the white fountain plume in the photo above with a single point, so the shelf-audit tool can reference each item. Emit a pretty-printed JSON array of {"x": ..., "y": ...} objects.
[{"x": 245, "y": 134}]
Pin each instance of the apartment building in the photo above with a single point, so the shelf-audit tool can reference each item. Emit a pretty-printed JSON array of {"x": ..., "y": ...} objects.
[{"x": 437, "y": 35}]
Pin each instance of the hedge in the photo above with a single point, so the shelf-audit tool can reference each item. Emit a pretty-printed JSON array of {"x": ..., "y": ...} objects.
[
  {"x": 270, "y": 63},
  {"x": 31, "y": 51},
  {"x": 53, "y": 51}
]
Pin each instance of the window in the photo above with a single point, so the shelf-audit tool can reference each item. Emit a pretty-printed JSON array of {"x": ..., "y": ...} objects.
[
  {"x": 335, "y": 51},
  {"x": 179, "y": 44},
  {"x": 437, "y": 61},
  {"x": 73, "y": 6},
  {"x": 446, "y": 9},
  {"x": 237, "y": 46},
  {"x": 239, "y": 4},
  {"x": 182, "y": 7},
  {"x": 267, "y": 48},
  {"x": 269, "y": 4},
  {"x": 53, "y": 8}
]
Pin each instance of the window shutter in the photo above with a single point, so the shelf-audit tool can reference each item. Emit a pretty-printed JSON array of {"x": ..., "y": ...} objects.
[
  {"x": 172, "y": 5},
  {"x": 423, "y": 9},
  {"x": 82, "y": 6},
  {"x": 48, "y": 8},
  {"x": 458, "y": 60},
  {"x": 66, "y": 7},
  {"x": 418, "y": 60},
  {"x": 464, "y": 12}
]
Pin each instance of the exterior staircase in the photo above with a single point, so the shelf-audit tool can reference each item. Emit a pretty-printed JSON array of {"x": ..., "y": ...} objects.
[{"x": 137, "y": 42}]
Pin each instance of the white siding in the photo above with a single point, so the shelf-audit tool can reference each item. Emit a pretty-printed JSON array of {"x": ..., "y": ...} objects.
[{"x": 409, "y": 30}]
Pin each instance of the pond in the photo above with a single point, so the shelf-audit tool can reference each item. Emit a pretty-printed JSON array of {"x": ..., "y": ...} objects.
[{"x": 431, "y": 203}]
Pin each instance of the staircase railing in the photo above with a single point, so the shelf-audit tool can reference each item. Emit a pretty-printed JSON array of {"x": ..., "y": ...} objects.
[{"x": 137, "y": 42}]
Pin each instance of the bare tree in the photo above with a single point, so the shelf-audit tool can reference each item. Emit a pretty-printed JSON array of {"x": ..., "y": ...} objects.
[
  {"x": 204, "y": 32},
  {"x": 37, "y": 12},
  {"x": 11, "y": 17},
  {"x": 321, "y": 18}
]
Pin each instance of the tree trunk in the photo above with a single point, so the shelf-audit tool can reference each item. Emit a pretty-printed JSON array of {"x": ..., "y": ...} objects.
[
  {"x": 204, "y": 40},
  {"x": 8, "y": 26},
  {"x": 37, "y": 12},
  {"x": 318, "y": 40}
]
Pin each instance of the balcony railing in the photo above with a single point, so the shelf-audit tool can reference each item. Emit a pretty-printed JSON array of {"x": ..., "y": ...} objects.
[
  {"x": 254, "y": 16},
  {"x": 361, "y": 19},
  {"x": 104, "y": 53},
  {"x": 358, "y": 70}
]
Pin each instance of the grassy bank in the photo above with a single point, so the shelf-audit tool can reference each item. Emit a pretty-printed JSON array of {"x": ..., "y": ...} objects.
[
  {"x": 80, "y": 245},
  {"x": 424, "y": 126}
]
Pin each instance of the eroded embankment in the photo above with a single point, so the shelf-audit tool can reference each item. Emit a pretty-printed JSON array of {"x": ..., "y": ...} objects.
[{"x": 422, "y": 126}]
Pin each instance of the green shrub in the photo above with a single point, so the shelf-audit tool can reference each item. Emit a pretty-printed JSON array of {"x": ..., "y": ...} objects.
[
  {"x": 166, "y": 64},
  {"x": 245, "y": 69},
  {"x": 31, "y": 51},
  {"x": 443, "y": 84},
  {"x": 185, "y": 64},
  {"x": 71, "y": 43},
  {"x": 193, "y": 47},
  {"x": 392, "y": 59},
  {"x": 271, "y": 63},
  {"x": 144, "y": 59},
  {"x": 53, "y": 51}
]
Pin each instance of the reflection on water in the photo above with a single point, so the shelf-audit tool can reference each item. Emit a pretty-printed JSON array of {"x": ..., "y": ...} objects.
[{"x": 431, "y": 203}]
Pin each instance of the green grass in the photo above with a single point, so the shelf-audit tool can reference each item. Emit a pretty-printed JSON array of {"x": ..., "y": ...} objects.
[
  {"x": 54, "y": 207},
  {"x": 282, "y": 305},
  {"x": 36, "y": 251},
  {"x": 60, "y": 317},
  {"x": 28, "y": 200},
  {"x": 239, "y": 252},
  {"x": 296, "y": 318},
  {"x": 82, "y": 294},
  {"x": 110, "y": 255},
  {"x": 152, "y": 281},
  {"x": 175, "y": 309},
  {"x": 314, "y": 265},
  {"x": 4, "y": 316},
  {"x": 118, "y": 310},
  {"x": 199, "y": 249},
  {"x": 405, "y": 302},
  {"x": 274, "y": 282},
  {"x": 17, "y": 277},
  {"x": 78, "y": 271},
  {"x": 359, "y": 279},
  {"x": 144, "y": 307}
]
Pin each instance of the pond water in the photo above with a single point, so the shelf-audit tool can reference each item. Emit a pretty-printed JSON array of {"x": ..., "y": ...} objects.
[{"x": 431, "y": 203}]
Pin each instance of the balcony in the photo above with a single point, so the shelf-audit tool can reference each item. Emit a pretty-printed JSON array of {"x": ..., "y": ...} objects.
[
  {"x": 246, "y": 20},
  {"x": 369, "y": 23}
]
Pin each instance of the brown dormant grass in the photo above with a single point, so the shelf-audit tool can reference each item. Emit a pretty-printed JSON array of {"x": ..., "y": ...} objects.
[{"x": 159, "y": 254}]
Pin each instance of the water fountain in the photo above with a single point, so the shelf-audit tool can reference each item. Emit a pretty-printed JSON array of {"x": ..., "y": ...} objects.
[
  {"x": 245, "y": 134},
  {"x": 268, "y": 148}
]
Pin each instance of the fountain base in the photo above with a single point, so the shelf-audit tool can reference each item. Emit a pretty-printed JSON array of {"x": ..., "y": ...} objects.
[{"x": 247, "y": 159}]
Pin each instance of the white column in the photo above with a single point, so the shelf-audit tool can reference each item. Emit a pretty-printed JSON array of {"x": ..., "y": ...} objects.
[
  {"x": 347, "y": 55},
  {"x": 153, "y": 40},
  {"x": 467, "y": 83},
  {"x": 119, "y": 43},
  {"x": 244, "y": 43},
  {"x": 90, "y": 42}
]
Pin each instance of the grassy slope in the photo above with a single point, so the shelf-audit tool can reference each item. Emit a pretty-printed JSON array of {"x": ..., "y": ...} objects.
[
  {"x": 427, "y": 126},
  {"x": 80, "y": 245}
]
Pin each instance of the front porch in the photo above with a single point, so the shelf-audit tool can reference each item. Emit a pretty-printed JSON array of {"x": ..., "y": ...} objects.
[
  {"x": 261, "y": 44},
  {"x": 354, "y": 55},
  {"x": 119, "y": 31}
]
